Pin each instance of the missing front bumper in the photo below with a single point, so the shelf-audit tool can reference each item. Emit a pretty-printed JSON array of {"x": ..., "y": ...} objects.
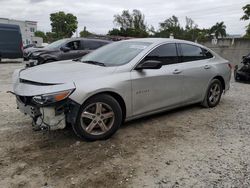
[{"x": 51, "y": 117}]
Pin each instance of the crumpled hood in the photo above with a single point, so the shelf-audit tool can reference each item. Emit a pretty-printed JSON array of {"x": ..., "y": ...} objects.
[{"x": 64, "y": 72}]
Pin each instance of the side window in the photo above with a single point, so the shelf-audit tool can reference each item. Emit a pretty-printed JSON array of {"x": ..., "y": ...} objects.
[
  {"x": 207, "y": 54},
  {"x": 74, "y": 45},
  {"x": 191, "y": 53},
  {"x": 165, "y": 53},
  {"x": 91, "y": 45}
]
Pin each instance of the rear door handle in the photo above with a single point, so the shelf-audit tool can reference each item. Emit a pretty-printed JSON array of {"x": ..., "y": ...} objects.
[
  {"x": 177, "y": 71},
  {"x": 207, "y": 67}
]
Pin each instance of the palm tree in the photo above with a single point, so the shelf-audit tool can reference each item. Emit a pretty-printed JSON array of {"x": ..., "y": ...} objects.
[{"x": 219, "y": 29}]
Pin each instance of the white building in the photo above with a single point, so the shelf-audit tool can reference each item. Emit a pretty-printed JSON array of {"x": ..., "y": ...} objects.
[{"x": 28, "y": 29}]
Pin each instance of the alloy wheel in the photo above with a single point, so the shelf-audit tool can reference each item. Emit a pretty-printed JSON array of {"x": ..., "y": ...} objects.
[
  {"x": 97, "y": 118},
  {"x": 214, "y": 93}
]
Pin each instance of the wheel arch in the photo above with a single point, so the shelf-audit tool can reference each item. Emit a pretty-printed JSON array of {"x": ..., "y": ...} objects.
[
  {"x": 117, "y": 97},
  {"x": 221, "y": 79}
]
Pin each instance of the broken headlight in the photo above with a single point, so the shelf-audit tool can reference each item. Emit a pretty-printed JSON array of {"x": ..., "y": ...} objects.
[{"x": 52, "y": 97}]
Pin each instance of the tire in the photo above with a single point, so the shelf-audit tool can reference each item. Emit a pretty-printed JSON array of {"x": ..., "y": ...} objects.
[
  {"x": 98, "y": 118},
  {"x": 214, "y": 93}
]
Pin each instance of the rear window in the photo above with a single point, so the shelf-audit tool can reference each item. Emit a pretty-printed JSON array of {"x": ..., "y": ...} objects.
[
  {"x": 194, "y": 53},
  {"x": 92, "y": 45}
]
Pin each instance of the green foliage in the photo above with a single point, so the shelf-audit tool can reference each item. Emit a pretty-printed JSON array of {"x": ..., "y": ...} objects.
[
  {"x": 63, "y": 25},
  {"x": 85, "y": 33},
  {"x": 42, "y": 35},
  {"x": 133, "y": 25},
  {"x": 51, "y": 37},
  {"x": 247, "y": 32},
  {"x": 130, "y": 24},
  {"x": 170, "y": 26},
  {"x": 246, "y": 10},
  {"x": 246, "y": 16},
  {"x": 129, "y": 32},
  {"x": 219, "y": 30}
]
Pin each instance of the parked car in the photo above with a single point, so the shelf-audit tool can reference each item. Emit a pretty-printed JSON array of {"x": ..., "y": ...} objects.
[
  {"x": 11, "y": 45},
  {"x": 242, "y": 71},
  {"x": 29, "y": 46},
  {"x": 64, "y": 49},
  {"x": 119, "y": 82}
]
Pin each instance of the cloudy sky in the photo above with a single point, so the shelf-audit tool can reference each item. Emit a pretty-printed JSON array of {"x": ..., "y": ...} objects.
[{"x": 97, "y": 15}]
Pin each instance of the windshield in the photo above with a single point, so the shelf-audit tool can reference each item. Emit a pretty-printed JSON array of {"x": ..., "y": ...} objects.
[
  {"x": 117, "y": 53},
  {"x": 55, "y": 44}
]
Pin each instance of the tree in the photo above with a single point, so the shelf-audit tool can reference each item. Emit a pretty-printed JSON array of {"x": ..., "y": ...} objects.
[
  {"x": 125, "y": 20},
  {"x": 42, "y": 35},
  {"x": 191, "y": 30},
  {"x": 245, "y": 17},
  {"x": 130, "y": 24},
  {"x": 63, "y": 25},
  {"x": 51, "y": 37},
  {"x": 172, "y": 22},
  {"x": 85, "y": 33},
  {"x": 115, "y": 32},
  {"x": 170, "y": 26},
  {"x": 246, "y": 10},
  {"x": 219, "y": 30}
]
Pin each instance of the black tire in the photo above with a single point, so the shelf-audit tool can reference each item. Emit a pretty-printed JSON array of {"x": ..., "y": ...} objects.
[
  {"x": 104, "y": 99},
  {"x": 207, "y": 102}
]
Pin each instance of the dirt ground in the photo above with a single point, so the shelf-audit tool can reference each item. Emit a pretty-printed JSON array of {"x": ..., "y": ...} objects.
[{"x": 187, "y": 147}]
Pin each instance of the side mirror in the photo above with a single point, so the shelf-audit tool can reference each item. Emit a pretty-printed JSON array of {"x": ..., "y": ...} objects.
[
  {"x": 149, "y": 64},
  {"x": 65, "y": 49}
]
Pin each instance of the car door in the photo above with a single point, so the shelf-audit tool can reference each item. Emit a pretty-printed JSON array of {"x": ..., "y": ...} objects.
[
  {"x": 154, "y": 89},
  {"x": 89, "y": 46},
  {"x": 196, "y": 69},
  {"x": 73, "y": 52},
  {"x": 86, "y": 47}
]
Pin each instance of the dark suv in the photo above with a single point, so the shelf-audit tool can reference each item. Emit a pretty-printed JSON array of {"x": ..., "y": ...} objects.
[
  {"x": 242, "y": 71},
  {"x": 63, "y": 49},
  {"x": 11, "y": 45}
]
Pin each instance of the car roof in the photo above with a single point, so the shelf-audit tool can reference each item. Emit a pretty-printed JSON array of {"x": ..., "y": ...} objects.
[
  {"x": 156, "y": 41},
  {"x": 9, "y": 26},
  {"x": 87, "y": 39}
]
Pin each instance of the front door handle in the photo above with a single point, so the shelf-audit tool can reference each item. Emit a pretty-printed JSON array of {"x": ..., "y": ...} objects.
[
  {"x": 207, "y": 67},
  {"x": 177, "y": 71}
]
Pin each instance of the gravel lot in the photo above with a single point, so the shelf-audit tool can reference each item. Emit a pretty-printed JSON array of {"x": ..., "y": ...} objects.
[{"x": 187, "y": 147}]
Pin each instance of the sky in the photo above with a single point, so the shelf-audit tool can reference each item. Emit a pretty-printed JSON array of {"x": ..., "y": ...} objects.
[{"x": 98, "y": 15}]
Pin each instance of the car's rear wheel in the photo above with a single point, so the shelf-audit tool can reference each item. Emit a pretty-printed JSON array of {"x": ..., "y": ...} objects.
[
  {"x": 99, "y": 118},
  {"x": 213, "y": 94}
]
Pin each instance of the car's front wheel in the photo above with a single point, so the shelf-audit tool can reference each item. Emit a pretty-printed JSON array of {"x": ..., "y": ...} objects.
[
  {"x": 99, "y": 118},
  {"x": 213, "y": 94}
]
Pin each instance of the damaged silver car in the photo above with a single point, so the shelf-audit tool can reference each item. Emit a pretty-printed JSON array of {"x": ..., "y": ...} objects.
[{"x": 120, "y": 82}]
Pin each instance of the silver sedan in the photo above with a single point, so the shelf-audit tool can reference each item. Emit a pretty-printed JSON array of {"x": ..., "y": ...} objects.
[{"x": 120, "y": 82}]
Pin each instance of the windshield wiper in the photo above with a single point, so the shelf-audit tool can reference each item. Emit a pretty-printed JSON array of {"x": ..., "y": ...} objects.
[{"x": 95, "y": 63}]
